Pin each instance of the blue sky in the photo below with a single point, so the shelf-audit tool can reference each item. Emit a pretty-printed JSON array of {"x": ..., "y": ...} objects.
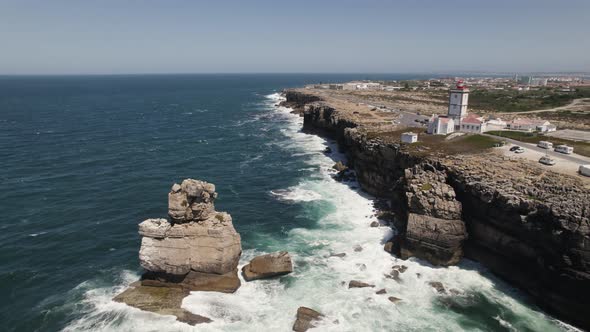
[{"x": 174, "y": 36}]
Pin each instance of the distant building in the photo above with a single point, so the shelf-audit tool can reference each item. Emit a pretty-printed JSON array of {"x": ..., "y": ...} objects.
[
  {"x": 524, "y": 124},
  {"x": 521, "y": 124},
  {"x": 361, "y": 86},
  {"x": 538, "y": 81},
  {"x": 495, "y": 124},
  {"x": 409, "y": 137},
  {"x": 441, "y": 125}
]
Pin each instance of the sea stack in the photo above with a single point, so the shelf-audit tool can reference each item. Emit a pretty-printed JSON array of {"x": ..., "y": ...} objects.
[{"x": 195, "y": 249}]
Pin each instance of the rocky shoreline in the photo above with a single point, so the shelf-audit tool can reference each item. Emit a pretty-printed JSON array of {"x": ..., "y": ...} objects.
[{"x": 527, "y": 225}]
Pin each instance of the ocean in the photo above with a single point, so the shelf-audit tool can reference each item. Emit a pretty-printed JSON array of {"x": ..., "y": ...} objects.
[{"x": 84, "y": 159}]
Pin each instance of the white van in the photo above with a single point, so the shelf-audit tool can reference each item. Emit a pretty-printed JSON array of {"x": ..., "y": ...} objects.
[
  {"x": 545, "y": 145},
  {"x": 584, "y": 170},
  {"x": 564, "y": 149}
]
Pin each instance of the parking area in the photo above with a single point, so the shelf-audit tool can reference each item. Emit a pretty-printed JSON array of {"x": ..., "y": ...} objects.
[
  {"x": 574, "y": 135},
  {"x": 562, "y": 163}
]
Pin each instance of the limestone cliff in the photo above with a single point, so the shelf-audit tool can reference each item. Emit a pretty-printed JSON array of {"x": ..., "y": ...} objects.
[{"x": 529, "y": 226}]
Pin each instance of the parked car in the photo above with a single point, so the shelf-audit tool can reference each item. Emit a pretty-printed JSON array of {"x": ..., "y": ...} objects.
[
  {"x": 584, "y": 170},
  {"x": 519, "y": 150},
  {"x": 514, "y": 148},
  {"x": 546, "y": 160}
]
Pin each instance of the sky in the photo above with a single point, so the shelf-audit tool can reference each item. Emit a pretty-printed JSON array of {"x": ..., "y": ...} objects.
[{"x": 296, "y": 36}]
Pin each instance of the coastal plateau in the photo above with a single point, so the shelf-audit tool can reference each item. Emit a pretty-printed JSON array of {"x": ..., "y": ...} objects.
[{"x": 454, "y": 198}]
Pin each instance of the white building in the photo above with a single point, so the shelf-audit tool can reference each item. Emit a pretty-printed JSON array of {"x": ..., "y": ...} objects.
[
  {"x": 521, "y": 124},
  {"x": 441, "y": 125},
  {"x": 458, "y": 99},
  {"x": 495, "y": 124},
  {"x": 409, "y": 137},
  {"x": 361, "y": 86},
  {"x": 473, "y": 124}
]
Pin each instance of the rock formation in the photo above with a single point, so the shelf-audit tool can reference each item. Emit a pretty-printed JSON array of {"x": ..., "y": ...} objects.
[
  {"x": 305, "y": 319},
  {"x": 434, "y": 230},
  {"x": 267, "y": 266},
  {"x": 196, "y": 249}
]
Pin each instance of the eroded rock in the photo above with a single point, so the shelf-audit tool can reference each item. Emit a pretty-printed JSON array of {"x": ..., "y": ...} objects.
[
  {"x": 306, "y": 318},
  {"x": 198, "y": 249},
  {"x": 160, "y": 300},
  {"x": 267, "y": 266}
]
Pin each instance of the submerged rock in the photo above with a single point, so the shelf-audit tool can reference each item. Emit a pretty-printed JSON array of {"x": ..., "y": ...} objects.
[
  {"x": 394, "y": 299},
  {"x": 358, "y": 284},
  {"x": 160, "y": 300},
  {"x": 341, "y": 255},
  {"x": 305, "y": 319},
  {"x": 340, "y": 167},
  {"x": 438, "y": 286},
  {"x": 267, "y": 266}
]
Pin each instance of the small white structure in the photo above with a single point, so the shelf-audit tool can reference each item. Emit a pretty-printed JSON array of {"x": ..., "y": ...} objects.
[
  {"x": 473, "y": 124},
  {"x": 584, "y": 170},
  {"x": 495, "y": 124},
  {"x": 522, "y": 125},
  {"x": 441, "y": 125},
  {"x": 409, "y": 137},
  {"x": 544, "y": 126},
  {"x": 545, "y": 144},
  {"x": 564, "y": 149}
]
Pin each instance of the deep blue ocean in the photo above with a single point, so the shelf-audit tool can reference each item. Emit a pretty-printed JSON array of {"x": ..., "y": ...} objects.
[{"x": 84, "y": 159}]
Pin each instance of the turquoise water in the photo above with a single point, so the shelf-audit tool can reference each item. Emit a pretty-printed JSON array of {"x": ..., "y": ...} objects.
[{"x": 85, "y": 159}]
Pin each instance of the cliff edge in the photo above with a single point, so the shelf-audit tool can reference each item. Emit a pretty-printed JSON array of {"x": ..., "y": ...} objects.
[{"x": 459, "y": 198}]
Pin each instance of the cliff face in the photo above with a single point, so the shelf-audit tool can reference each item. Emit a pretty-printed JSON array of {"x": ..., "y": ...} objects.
[{"x": 527, "y": 226}]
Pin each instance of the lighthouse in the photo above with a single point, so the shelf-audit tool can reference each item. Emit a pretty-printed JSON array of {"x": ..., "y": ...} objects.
[{"x": 458, "y": 102}]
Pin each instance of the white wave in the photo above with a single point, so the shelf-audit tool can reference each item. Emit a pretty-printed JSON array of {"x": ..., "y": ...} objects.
[
  {"x": 296, "y": 194},
  {"x": 275, "y": 96}
]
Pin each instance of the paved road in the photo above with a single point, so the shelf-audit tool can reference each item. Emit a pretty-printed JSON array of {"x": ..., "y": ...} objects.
[
  {"x": 576, "y": 158},
  {"x": 574, "y": 103}
]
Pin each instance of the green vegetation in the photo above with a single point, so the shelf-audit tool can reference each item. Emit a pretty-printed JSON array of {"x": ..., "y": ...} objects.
[
  {"x": 436, "y": 144},
  {"x": 426, "y": 187},
  {"x": 582, "y": 148},
  {"x": 479, "y": 142},
  {"x": 521, "y": 101}
]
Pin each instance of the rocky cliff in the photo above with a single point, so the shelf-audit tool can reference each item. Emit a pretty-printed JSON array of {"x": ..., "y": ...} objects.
[{"x": 527, "y": 225}]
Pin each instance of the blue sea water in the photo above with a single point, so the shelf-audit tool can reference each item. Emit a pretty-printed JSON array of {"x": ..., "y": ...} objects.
[{"x": 84, "y": 159}]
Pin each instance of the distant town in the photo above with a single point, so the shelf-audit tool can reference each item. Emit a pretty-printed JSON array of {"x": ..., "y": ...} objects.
[{"x": 539, "y": 118}]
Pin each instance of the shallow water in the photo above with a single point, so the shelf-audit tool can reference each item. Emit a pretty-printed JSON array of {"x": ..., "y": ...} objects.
[{"x": 85, "y": 159}]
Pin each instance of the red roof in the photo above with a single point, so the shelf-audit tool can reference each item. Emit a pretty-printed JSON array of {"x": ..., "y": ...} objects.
[{"x": 473, "y": 119}]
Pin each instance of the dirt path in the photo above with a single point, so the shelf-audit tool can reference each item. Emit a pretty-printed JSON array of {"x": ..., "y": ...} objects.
[{"x": 575, "y": 103}]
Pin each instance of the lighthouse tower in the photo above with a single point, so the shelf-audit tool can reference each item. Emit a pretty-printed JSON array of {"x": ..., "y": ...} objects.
[{"x": 458, "y": 102}]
